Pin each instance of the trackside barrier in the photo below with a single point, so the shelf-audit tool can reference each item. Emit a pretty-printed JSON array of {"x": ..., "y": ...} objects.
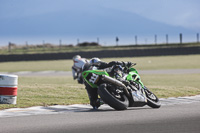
[
  {"x": 8, "y": 89},
  {"x": 103, "y": 54}
]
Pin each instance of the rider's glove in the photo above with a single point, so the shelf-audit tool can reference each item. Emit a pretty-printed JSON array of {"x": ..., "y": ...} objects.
[{"x": 128, "y": 64}]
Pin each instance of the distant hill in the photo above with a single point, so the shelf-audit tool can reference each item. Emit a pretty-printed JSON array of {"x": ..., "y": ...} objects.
[{"x": 73, "y": 23}]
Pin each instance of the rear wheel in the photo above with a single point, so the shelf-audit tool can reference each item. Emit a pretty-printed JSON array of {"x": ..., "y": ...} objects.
[
  {"x": 152, "y": 99},
  {"x": 113, "y": 98}
]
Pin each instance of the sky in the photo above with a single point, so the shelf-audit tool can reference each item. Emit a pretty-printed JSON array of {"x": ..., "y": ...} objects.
[{"x": 72, "y": 21}]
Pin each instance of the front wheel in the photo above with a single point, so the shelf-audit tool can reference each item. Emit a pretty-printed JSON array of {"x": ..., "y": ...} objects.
[
  {"x": 114, "y": 99},
  {"x": 152, "y": 99}
]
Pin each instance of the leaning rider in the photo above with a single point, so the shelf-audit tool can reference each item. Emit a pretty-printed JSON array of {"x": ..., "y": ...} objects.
[
  {"x": 77, "y": 68},
  {"x": 96, "y": 62}
]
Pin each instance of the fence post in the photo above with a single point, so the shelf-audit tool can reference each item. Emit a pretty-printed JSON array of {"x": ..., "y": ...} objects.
[
  {"x": 135, "y": 40},
  {"x": 166, "y": 38},
  {"x": 60, "y": 43},
  {"x": 27, "y": 46},
  {"x": 117, "y": 40},
  {"x": 43, "y": 42},
  {"x": 78, "y": 41},
  {"x": 9, "y": 47},
  {"x": 181, "y": 38},
  {"x": 155, "y": 39},
  {"x": 97, "y": 40}
]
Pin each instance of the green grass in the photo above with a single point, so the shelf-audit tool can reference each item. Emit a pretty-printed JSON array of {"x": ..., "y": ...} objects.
[
  {"x": 163, "y": 62},
  {"x": 171, "y": 85},
  {"x": 143, "y": 63},
  {"x": 46, "y": 91},
  {"x": 56, "y": 65},
  {"x": 43, "y": 91}
]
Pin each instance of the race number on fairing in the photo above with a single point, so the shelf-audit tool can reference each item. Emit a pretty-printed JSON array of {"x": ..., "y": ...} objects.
[{"x": 93, "y": 78}]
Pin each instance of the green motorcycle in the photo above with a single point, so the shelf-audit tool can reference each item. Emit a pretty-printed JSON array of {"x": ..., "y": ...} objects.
[{"x": 117, "y": 94}]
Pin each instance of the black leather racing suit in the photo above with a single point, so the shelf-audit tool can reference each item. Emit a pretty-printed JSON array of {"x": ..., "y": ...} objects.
[{"x": 92, "y": 92}]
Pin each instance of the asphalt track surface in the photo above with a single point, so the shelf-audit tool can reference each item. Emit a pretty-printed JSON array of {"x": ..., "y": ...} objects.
[
  {"x": 177, "y": 115},
  {"x": 180, "y": 115}
]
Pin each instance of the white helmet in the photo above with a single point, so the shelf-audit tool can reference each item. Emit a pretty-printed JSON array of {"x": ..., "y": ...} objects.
[
  {"x": 94, "y": 60},
  {"x": 76, "y": 57},
  {"x": 78, "y": 61}
]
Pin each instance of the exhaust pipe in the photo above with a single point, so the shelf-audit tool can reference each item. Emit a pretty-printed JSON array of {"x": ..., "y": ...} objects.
[{"x": 116, "y": 82}]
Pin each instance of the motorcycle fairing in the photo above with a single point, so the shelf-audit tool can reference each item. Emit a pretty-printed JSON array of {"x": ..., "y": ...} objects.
[
  {"x": 92, "y": 77},
  {"x": 134, "y": 76}
]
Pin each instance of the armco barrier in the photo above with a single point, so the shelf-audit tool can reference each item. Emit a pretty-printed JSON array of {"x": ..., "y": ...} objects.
[
  {"x": 8, "y": 89},
  {"x": 104, "y": 54}
]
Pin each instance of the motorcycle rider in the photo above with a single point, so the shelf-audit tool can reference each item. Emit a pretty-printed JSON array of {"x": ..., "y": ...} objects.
[
  {"x": 96, "y": 63},
  {"x": 77, "y": 68}
]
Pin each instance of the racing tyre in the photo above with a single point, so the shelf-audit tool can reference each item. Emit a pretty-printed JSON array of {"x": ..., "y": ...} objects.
[
  {"x": 117, "y": 101},
  {"x": 152, "y": 99}
]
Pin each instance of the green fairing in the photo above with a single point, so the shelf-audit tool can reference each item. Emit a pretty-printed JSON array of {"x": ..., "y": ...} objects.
[
  {"x": 133, "y": 70},
  {"x": 97, "y": 72},
  {"x": 133, "y": 73}
]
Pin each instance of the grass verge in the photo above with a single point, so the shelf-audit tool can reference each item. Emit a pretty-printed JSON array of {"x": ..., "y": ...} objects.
[
  {"x": 171, "y": 85},
  {"x": 143, "y": 63},
  {"x": 46, "y": 91}
]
